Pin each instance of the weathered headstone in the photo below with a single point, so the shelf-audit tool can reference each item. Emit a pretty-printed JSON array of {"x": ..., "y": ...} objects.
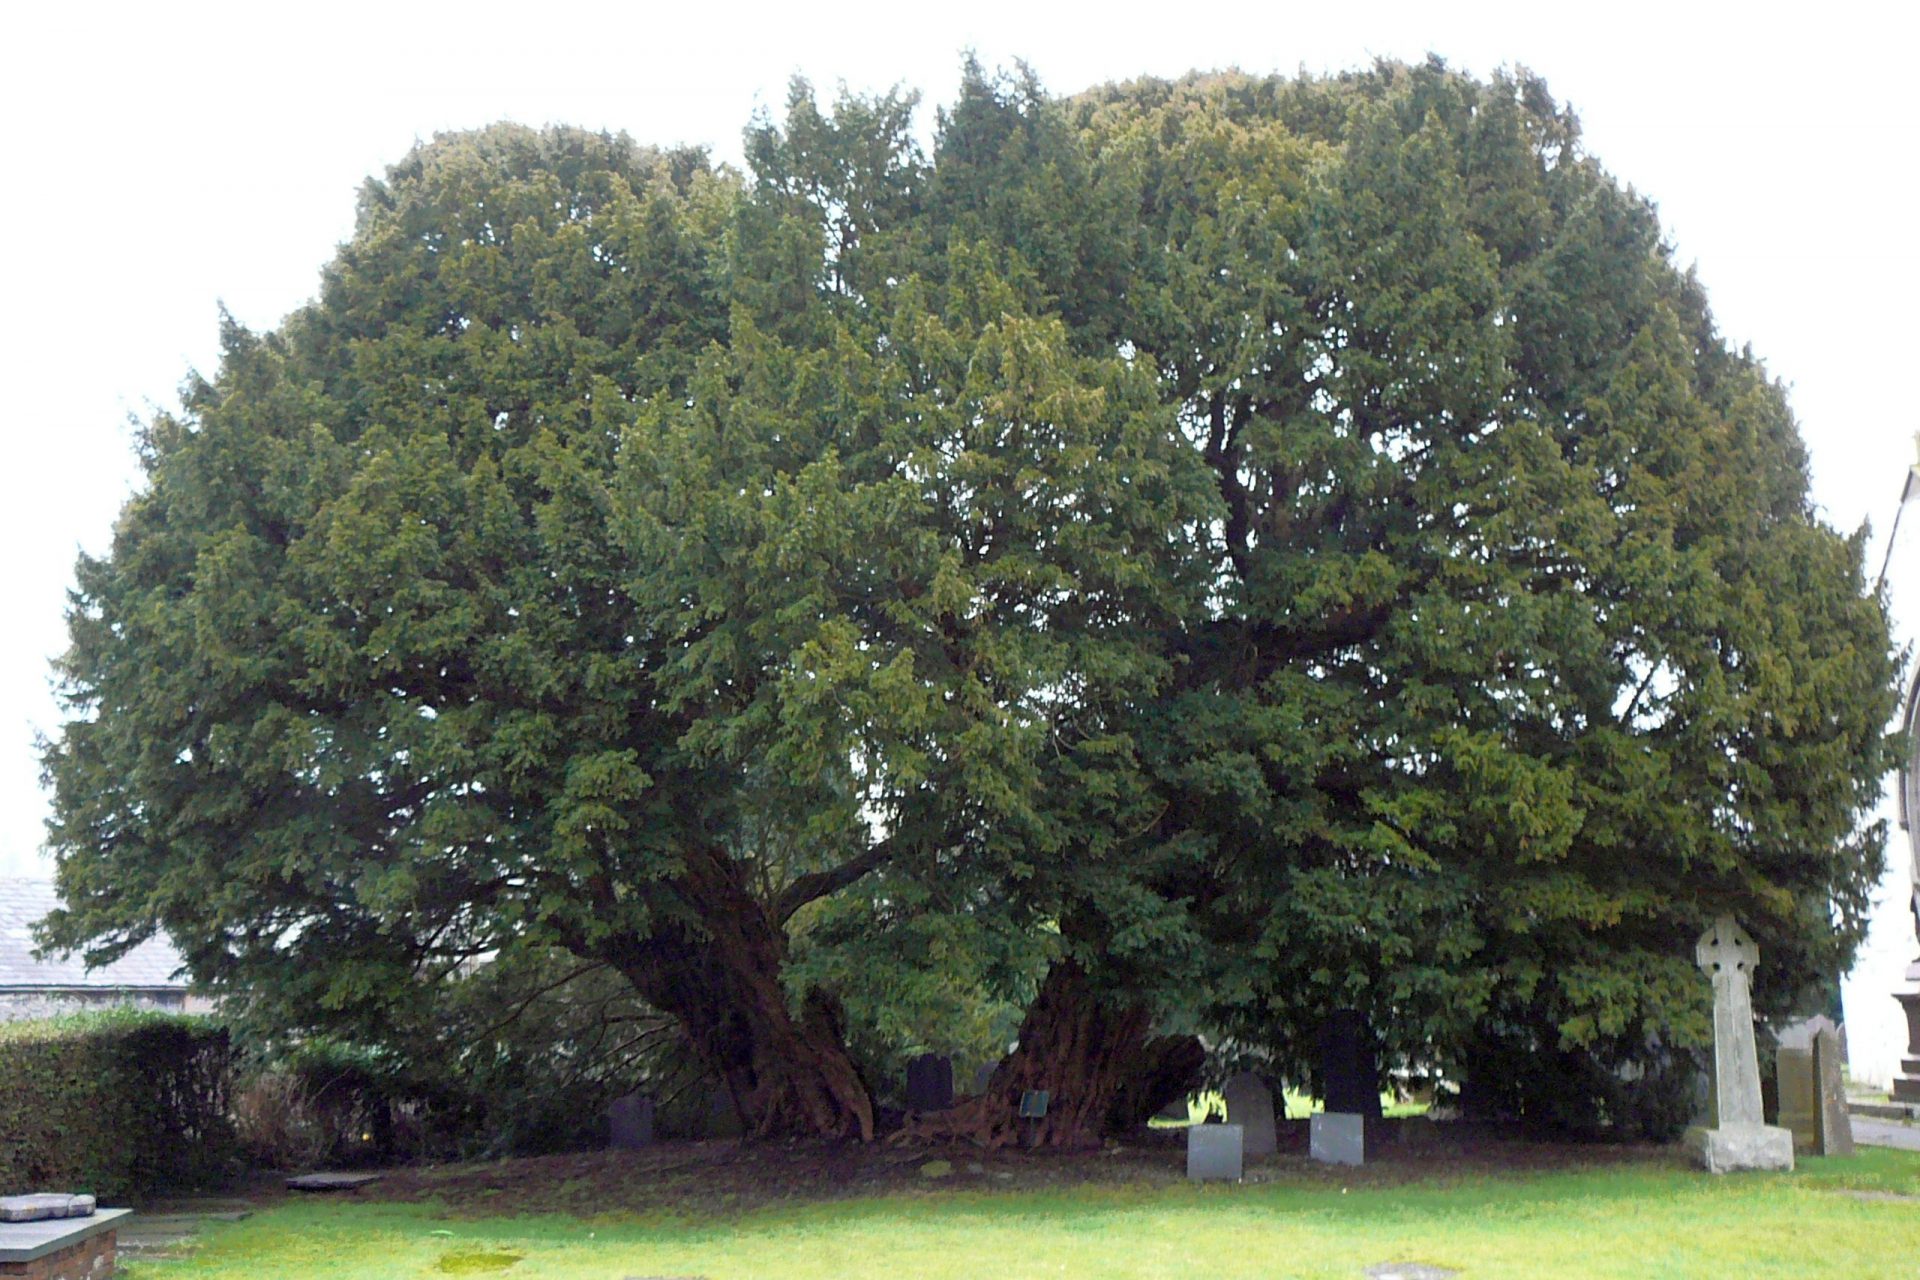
[
  {"x": 1799, "y": 1096},
  {"x": 930, "y": 1083},
  {"x": 1835, "y": 1130},
  {"x": 1741, "y": 1138},
  {"x": 1250, "y": 1105},
  {"x": 630, "y": 1123},
  {"x": 1335, "y": 1137},
  {"x": 1214, "y": 1152}
]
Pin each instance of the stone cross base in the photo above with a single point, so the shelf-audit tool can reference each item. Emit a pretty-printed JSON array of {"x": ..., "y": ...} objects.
[{"x": 1742, "y": 1146}]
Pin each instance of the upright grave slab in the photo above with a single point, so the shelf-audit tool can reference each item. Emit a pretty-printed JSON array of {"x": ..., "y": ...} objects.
[
  {"x": 630, "y": 1123},
  {"x": 1250, "y": 1105},
  {"x": 1833, "y": 1134},
  {"x": 1741, "y": 1138},
  {"x": 1214, "y": 1152},
  {"x": 930, "y": 1083},
  {"x": 1799, "y": 1095}
]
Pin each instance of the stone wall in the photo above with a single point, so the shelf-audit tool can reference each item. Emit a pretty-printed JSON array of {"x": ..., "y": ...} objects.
[
  {"x": 90, "y": 1259},
  {"x": 18, "y": 1006}
]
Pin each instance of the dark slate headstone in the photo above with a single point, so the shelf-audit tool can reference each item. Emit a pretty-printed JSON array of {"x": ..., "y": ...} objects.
[
  {"x": 1799, "y": 1097},
  {"x": 630, "y": 1123},
  {"x": 1349, "y": 1078},
  {"x": 930, "y": 1083}
]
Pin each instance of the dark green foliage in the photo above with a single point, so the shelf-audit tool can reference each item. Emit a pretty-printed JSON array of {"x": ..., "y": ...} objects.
[
  {"x": 116, "y": 1104},
  {"x": 1529, "y": 652},
  {"x": 1300, "y": 541}
]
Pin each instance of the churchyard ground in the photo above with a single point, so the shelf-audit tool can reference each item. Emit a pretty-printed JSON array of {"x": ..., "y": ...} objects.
[{"x": 1484, "y": 1209}]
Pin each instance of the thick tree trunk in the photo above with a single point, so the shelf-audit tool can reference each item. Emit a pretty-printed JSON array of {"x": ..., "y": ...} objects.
[
  {"x": 1084, "y": 1052},
  {"x": 788, "y": 1075}
]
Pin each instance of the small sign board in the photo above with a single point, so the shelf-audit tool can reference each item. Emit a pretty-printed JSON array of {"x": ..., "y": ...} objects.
[{"x": 1033, "y": 1104}]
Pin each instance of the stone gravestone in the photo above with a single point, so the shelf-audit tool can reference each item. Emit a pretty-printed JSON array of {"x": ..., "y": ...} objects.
[
  {"x": 929, "y": 1083},
  {"x": 1335, "y": 1137},
  {"x": 1741, "y": 1138},
  {"x": 630, "y": 1123},
  {"x": 1214, "y": 1152},
  {"x": 1834, "y": 1130},
  {"x": 1250, "y": 1105},
  {"x": 1799, "y": 1096}
]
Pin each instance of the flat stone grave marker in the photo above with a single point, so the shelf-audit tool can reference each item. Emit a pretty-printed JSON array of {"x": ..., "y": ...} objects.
[
  {"x": 630, "y": 1123},
  {"x": 1834, "y": 1136},
  {"x": 1214, "y": 1152},
  {"x": 1336, "y": 1137},
  {"x": 331, "y": 1181},
  {"x": 1741, "y": 1138},
  {"x": 930, "y": 1083},
  {"x": 1250, "y": 1105}
]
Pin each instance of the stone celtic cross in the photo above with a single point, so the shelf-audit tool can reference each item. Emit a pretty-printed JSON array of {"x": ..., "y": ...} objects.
[{"x": 1728, "y": 957}]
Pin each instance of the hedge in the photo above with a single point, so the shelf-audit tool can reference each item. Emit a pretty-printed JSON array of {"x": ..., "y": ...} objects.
[{"x": 118, "y": 1104}]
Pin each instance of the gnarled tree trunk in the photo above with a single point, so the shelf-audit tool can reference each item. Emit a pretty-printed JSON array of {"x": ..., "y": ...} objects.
[
  {"x": 788, "y": 1074},
  {"x": 1085, "y": 1052}
]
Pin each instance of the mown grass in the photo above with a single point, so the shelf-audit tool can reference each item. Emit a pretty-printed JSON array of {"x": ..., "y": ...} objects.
[{"x": 1616, "y": 1222}]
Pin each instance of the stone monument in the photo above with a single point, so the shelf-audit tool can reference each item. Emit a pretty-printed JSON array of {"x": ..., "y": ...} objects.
[
  {"x": 1250, "y": 1105},
  {"x": 1833, "y": 1129},
  {"x": 1799, "y": 1095},
  {"x": 1213, "y": 1152},
  {"x": 929, "y": 1083},
  {"x": 1741, "y": 1138},
  {"x": 1906, "y": 1085},
  {"x": 630, "y": 1123}
]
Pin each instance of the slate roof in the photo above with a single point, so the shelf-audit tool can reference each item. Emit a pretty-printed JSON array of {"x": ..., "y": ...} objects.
[{"x": 22, "y": 904}]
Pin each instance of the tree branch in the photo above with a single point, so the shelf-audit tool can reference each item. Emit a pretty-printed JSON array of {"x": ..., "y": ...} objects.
[{"x": 819, "y": 884}]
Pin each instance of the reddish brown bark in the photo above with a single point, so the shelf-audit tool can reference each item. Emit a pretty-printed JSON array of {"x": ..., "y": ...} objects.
[
  {"x": 720, "y": 977},
  {"x": 1082, "y": 1050}
]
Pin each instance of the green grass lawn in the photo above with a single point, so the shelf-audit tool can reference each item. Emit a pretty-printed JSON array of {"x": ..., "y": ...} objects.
[{"x": 1853, "y": 1218}]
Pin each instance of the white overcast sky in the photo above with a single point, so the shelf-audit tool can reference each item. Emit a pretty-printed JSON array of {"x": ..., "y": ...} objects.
[{"x": 166, "y": 157}]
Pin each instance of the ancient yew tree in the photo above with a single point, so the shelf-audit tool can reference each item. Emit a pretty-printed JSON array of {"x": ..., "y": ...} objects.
[{"x": 1274, "y": 544}]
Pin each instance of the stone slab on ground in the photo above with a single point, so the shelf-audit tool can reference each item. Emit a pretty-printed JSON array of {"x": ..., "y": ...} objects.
[
  {"x": 331, "y": 1181},
  {"x": 1734, "y": 1147},
  {"x": 1408, "y": 1271}
]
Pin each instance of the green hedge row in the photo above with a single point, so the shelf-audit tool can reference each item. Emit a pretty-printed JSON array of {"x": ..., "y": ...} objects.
[{"x": 118, "y": 1104}]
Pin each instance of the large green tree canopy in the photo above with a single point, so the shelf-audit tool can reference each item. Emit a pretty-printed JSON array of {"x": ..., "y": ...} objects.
[{"x": 1246, "y": 545}]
